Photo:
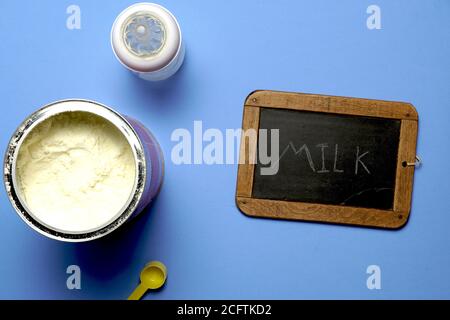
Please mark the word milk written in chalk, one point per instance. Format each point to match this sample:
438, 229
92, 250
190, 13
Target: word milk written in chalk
305, 150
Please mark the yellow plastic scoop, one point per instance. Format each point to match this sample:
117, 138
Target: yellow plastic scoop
153, 276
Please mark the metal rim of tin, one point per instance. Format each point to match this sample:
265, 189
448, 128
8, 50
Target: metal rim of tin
46, 112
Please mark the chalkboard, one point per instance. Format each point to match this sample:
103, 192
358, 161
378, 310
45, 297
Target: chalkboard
336, 159
332, 159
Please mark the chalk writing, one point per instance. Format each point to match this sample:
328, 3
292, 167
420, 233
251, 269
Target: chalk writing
304, 149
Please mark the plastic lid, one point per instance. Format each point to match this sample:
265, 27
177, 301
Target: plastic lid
145, 37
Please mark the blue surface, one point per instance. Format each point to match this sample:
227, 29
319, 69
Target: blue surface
233, 48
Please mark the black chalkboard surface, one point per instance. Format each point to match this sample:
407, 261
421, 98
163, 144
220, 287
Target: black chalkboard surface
331, 159
338, 159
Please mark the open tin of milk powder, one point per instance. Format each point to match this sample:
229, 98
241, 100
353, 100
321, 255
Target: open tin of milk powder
146, 38
76, 170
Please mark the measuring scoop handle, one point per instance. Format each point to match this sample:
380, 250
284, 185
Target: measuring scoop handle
138, 293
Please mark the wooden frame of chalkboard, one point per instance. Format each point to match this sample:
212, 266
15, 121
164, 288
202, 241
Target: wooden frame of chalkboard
393, 218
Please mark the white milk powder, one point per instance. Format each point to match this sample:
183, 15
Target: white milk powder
76, 172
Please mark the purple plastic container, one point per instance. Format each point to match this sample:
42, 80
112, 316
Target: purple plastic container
149, 163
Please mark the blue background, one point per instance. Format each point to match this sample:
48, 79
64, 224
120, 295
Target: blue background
194, 227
